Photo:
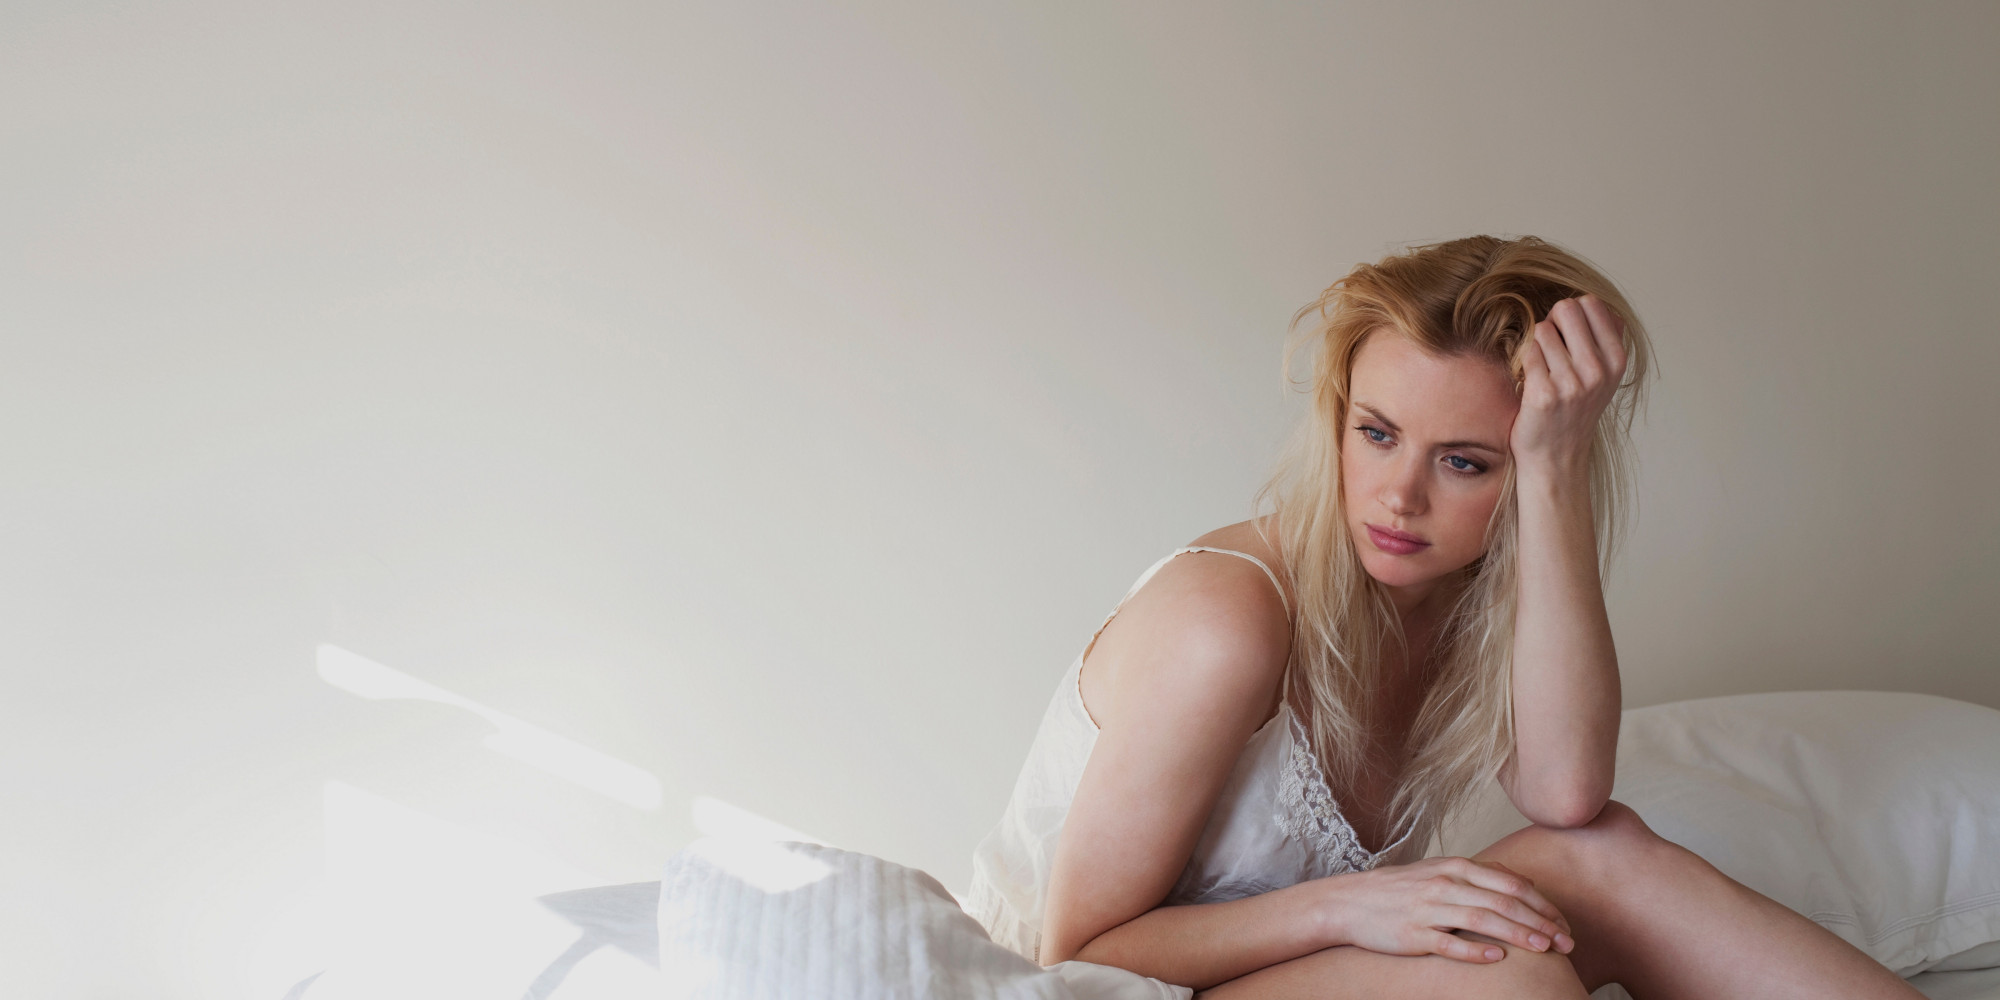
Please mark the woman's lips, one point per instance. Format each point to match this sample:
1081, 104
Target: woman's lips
1394, 544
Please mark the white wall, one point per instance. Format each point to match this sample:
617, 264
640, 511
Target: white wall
772, 399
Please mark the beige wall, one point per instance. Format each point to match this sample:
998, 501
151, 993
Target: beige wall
768, 402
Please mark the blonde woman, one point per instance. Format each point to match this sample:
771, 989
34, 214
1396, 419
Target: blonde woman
1234, 786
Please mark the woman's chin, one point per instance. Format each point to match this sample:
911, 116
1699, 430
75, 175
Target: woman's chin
1395, 571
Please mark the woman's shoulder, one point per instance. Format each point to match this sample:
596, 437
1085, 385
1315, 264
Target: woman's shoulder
1206, 625
1257, 538
1252, 593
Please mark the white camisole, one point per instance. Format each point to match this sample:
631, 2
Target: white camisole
1276, 823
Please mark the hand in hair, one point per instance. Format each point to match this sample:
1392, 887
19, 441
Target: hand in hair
1572, 367
1413, 909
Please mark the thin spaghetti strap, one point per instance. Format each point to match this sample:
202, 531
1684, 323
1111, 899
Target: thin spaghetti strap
1155, 568
1282, 599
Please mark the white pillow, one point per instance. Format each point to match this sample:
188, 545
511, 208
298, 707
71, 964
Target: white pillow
596, 943
1875, 814
745, 919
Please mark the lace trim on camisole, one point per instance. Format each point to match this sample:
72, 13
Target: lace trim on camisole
1308, 812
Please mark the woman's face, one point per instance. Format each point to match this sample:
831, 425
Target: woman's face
1423, 451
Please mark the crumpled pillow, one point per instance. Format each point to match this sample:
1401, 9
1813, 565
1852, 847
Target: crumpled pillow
746, 920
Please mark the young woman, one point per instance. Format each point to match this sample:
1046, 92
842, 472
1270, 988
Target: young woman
1235, 785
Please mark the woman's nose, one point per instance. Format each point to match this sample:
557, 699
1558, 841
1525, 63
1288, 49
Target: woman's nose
1403, 491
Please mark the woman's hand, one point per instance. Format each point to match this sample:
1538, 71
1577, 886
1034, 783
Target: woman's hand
1572, 366
1412, 910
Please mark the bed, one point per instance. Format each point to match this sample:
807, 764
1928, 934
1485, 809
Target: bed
623, 919
1875, 814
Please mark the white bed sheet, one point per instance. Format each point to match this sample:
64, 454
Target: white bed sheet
1975, 984
623, 920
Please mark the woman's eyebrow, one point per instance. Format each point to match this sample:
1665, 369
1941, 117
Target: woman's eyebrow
1391, 424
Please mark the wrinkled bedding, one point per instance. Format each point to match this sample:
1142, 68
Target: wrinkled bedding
618, 925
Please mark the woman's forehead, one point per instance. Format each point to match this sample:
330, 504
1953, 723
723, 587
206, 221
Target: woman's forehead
1419, 390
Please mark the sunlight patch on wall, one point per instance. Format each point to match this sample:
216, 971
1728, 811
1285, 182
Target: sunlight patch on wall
528, 743
716, 818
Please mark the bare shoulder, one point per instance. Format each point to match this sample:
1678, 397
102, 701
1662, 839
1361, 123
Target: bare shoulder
1257, 538
1207, 632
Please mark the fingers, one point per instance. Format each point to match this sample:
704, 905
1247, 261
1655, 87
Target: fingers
1518, 924
1493, 925
1574, 322
1609, 331
1511, 893
1593, 339
1535, 385
1453, 946
1507, 880
1562, 374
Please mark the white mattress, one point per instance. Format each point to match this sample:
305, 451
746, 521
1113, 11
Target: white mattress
621, 921
1977, 984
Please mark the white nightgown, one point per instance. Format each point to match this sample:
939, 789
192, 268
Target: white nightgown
1275, 824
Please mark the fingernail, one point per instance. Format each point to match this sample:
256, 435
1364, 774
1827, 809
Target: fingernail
1565, 942
1493, 954
1539, 942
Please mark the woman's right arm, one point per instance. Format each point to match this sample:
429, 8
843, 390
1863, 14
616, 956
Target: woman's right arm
1203, 944
1179, 680
1396, 910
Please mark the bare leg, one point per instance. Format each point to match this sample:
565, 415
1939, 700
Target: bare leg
1646, 913
1345, 972
1655, 917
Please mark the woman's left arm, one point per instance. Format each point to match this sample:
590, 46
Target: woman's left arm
1566, 692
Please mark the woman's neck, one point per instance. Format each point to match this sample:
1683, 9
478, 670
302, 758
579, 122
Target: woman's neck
1421, 613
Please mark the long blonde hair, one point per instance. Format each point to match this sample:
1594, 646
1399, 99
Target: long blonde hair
1477, 297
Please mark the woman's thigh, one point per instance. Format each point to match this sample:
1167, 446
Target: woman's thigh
1347, 972
1586, 872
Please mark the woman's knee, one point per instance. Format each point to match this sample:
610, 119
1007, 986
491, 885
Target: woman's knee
1615, 842
1618, 817
1618, 837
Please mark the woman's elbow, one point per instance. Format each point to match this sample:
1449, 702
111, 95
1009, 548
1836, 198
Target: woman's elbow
1054, 949
1571, 814
1061, 942
1566, 808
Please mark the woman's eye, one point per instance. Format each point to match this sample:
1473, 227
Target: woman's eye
1469, 468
